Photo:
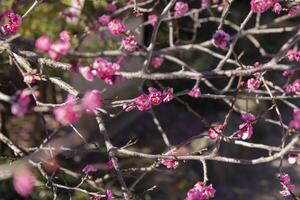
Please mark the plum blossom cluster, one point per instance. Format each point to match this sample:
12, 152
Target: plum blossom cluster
103, 69
56, 49
155, 97
293, 55
295, 122
246, 129
116, 27
221, 39
10, 22
170, 163
293, 87
261, 6
287, 186
70, 111
201, 192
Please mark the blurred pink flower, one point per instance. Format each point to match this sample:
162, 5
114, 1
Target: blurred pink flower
111, 7
20, 107
23, 181
288, 73
294, 10
103, 20
43, 43
277, 8
152, 19
109, 164
87, 73
89, 168
157, 61
295, 122
91, 101
67, 113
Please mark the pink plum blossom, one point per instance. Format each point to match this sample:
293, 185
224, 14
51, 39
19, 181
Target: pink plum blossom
89, 169
129, 43
246, 129
142, 102
261, 6
293, 55
103, 20
170, 163
288, 73
277, 8
180, 8
87, 73
253, 84
201, 192
155, 96
20, 106
205, 4
195, 92
215, 131
168, 94
43, 43
221, 38
153, 19
109, 164
157, 61
67, 113
295, 122
287, 186
91, 101
294, 10
293, 87
106, 70
116, 27
23, 181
